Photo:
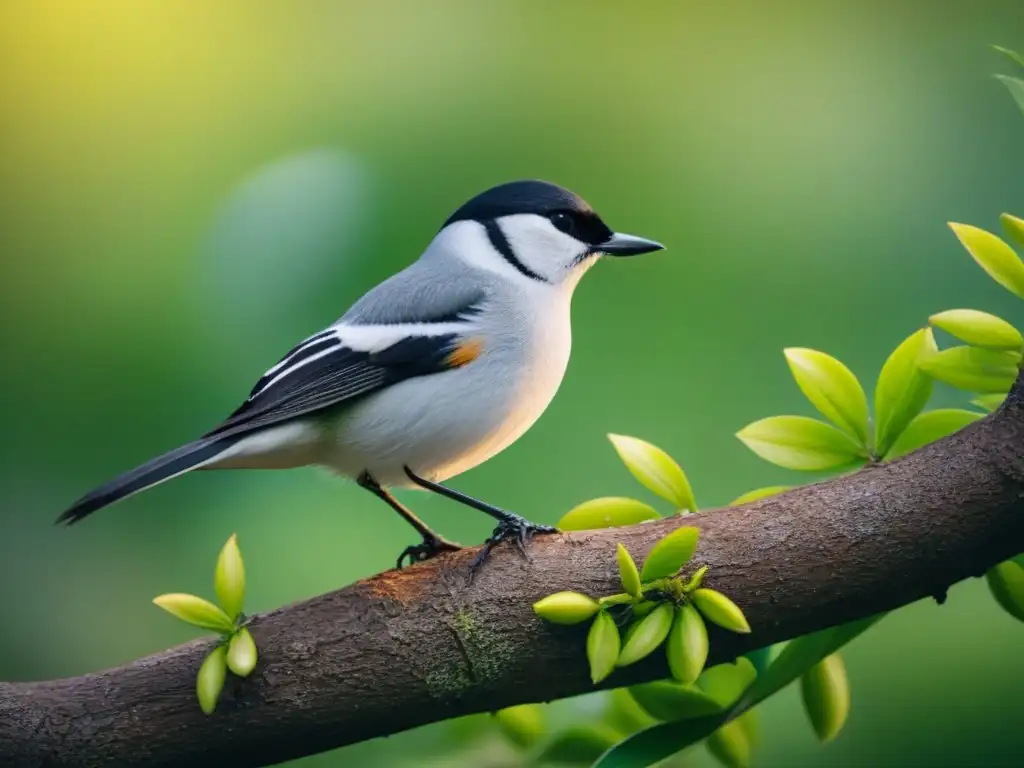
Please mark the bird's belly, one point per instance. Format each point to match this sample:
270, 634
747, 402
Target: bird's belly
443, 424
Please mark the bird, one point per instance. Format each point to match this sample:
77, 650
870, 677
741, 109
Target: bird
434, 371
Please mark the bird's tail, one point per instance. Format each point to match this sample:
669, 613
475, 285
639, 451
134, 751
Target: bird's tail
188, 457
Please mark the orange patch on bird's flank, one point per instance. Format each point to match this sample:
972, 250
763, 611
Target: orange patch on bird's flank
466, 352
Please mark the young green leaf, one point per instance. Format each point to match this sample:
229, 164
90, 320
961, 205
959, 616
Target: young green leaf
577, 745
719, 609
725, 683
668, 700
730, 746
229, 578
628, 573
646, 635
644, 607
992, 254
210, 680
758, 493
972, 368
826, 696
1010, 54
832, 389
195, 610
671, 553
1006, 582
799, 442
687, 645
524, 725
603, 645
1014, 228
903, 389
656, 470
242, 653
1016, 88
566, 608
931, 426
980, 329
988, 402
606, 512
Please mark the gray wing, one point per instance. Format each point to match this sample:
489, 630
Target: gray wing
323, 372
424, 292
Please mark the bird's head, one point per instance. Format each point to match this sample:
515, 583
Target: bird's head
534, 231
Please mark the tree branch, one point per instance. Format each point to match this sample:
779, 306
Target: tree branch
411, 647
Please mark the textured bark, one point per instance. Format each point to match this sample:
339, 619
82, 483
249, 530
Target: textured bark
411, 647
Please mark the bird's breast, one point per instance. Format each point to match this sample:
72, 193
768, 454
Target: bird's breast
444, 424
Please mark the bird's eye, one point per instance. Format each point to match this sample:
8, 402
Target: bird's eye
563, 222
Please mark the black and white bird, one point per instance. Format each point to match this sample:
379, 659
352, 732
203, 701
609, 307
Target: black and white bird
430, 373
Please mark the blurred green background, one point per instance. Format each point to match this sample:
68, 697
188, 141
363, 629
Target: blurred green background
187, 188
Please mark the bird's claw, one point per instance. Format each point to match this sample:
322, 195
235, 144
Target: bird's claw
513, 528
425, 550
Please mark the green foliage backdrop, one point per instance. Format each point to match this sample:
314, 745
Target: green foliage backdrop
185, 190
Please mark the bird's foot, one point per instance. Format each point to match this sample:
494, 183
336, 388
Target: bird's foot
431, 546
512, 528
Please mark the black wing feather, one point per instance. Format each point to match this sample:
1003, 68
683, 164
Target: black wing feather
338, 376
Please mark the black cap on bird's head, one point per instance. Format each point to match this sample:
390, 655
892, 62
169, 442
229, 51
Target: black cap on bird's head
567, 211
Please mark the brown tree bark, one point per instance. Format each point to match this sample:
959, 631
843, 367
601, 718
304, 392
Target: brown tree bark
411, 647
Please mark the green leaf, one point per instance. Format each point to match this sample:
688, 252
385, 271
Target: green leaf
826, 696
668, 700
603, 644
566, 608
628, 573
196, 611
979, 329
652, 745
1010, 54
992, 254
687, 645
659, 742
606, 512
799, 442
1006, 583
524, 725
1014, 228
229, 578
242, 653
578, 745
1016, 87
751, 726
725, 683
760, 658
730, 745
624, 713
646, 635
973, 369
758, 493
931, 426
656, 470
903, 389
719, 609
988, 402
832, 389
800, 655
671, 553
210, 680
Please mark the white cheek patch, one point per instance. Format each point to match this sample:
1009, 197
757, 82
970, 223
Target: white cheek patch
543, 248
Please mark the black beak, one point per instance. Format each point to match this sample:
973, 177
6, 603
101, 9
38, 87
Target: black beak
627, 245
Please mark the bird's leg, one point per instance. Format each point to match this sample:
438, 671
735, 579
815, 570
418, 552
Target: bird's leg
510, 526
432, 544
